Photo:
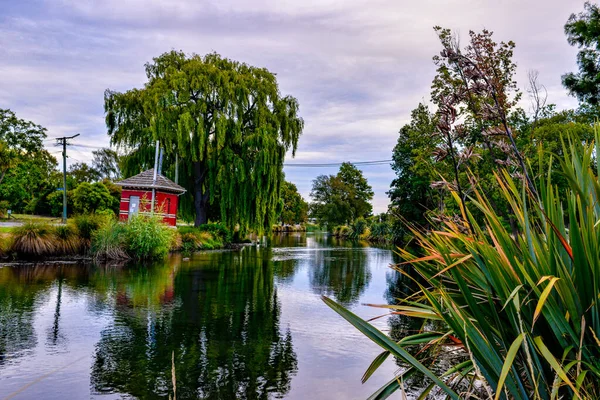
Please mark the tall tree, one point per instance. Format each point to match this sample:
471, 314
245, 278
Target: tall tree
294, 208
341, 198
107, 162
225, 121
79, 173
358, 191
583, 31
26, 169
413, 162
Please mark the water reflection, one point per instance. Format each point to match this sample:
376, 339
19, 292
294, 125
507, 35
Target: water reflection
214, 323
341, 274
220, 323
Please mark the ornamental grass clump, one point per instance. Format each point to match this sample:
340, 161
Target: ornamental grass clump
66, 240
110, 242
148, 237
33, 240
522, 305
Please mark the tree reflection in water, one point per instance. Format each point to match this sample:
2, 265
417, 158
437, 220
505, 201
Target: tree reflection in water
341, 273
220, 320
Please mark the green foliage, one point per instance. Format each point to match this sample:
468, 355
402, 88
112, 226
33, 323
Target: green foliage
204, 237
341, 198
312, 227
110, 242
218, 230
92, 197
26, 169
107, 163
411, 195
227, 124
87, 225
583, 31
147, 237
4, 206
522, 307
358, 228
294, 209
79, 173
189, 243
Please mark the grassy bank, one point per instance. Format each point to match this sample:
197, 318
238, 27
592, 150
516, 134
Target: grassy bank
103, 238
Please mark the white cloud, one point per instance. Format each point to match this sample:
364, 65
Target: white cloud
357, 67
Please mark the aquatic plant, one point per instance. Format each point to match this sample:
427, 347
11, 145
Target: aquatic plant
110, 242
147, 237
522, 305
33, 239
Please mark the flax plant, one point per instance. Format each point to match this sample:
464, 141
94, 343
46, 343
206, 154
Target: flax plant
521, 305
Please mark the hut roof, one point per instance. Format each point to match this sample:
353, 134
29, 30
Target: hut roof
145, 181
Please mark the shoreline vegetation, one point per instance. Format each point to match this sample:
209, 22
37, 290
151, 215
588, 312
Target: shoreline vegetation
103, 238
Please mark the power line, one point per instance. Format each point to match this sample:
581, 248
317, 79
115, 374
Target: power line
337, 164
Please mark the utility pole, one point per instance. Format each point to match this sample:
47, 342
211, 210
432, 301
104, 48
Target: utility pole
154, 177
63, 141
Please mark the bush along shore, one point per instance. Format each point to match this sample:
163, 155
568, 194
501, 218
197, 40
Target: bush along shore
371, 230
101, 237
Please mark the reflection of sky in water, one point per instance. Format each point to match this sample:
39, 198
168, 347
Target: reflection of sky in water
333, 355
57, 361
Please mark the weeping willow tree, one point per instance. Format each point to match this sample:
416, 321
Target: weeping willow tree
226, 125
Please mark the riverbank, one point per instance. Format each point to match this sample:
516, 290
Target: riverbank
98, 237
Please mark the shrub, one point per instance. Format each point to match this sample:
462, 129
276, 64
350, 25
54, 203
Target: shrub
522, 307
195, 239
148, 237
66, 240
312, 227
189, 243
110, 242
380, 232
218, 230
33, 239
87, 224
92, 197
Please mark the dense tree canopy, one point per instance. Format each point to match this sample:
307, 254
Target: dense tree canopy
107, 163
294, 209
27, 171
341, 198
224, 121
413, 159
583, 31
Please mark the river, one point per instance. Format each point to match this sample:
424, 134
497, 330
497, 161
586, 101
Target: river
246, 324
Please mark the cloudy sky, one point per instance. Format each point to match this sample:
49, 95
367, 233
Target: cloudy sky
357, 67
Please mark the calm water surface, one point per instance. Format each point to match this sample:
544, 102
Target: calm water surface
223, 325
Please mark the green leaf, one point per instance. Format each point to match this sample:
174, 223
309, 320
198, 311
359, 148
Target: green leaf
508, 363
388, 344
386, 390
544, 296
554, 364
374, 365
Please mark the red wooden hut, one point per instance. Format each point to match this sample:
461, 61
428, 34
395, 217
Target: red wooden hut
137, 196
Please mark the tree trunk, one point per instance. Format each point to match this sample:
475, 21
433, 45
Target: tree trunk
201, 195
